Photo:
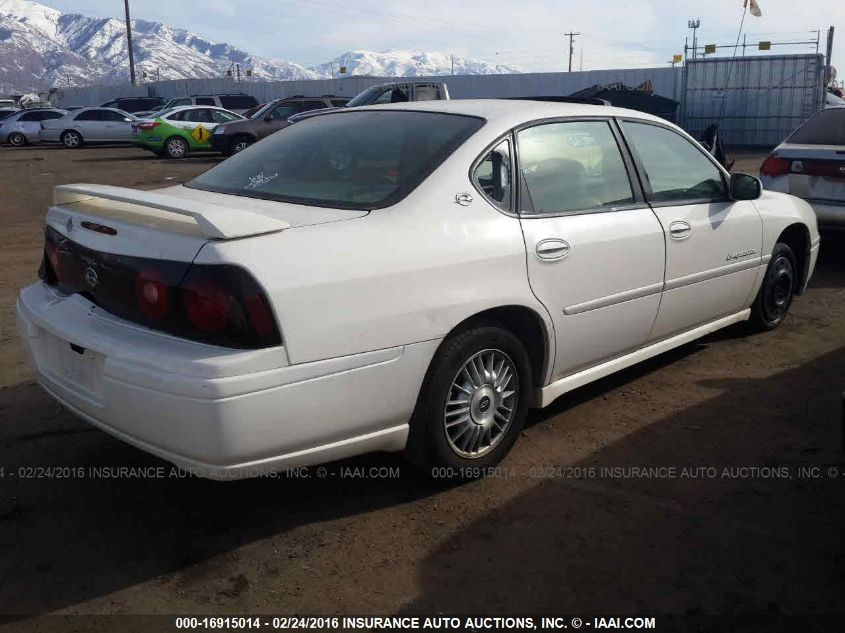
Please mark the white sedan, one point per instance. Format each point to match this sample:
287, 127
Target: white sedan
402, 277
810, 164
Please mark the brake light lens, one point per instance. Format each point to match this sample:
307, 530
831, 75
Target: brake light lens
219, 304
151, 293
207, 305
775, 166
151, 125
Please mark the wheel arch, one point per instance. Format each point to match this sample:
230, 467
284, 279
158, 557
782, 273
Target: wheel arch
529, 326
797, 237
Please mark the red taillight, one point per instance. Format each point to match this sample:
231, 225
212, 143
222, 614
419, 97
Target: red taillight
52, 251
151, 294
151, 125
259, 316
775, 166
207, 305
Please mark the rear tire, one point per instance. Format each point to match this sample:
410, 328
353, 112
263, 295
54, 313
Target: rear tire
472, 405
16, 139
72, 139
777, 290
176, 147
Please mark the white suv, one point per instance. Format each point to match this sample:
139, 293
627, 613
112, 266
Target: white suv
402, 277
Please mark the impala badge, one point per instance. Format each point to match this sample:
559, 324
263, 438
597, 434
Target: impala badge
733, 256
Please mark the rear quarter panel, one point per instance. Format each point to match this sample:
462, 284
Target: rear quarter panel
399, 275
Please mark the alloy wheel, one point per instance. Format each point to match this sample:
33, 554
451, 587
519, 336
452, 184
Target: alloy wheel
481, 403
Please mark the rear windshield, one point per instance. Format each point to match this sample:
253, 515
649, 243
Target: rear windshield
350, 160
825, 128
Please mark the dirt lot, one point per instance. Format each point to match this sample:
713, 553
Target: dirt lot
573, 540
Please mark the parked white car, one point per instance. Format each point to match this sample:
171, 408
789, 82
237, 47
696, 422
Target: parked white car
89, 125
379, 279
810, 164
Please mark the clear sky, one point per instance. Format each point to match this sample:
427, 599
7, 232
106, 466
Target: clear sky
527, 34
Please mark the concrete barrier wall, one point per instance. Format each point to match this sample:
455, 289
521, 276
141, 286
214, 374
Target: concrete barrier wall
665, 82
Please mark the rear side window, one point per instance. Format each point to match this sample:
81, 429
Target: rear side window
313, 105
32, 116
200, 115
218, 116
89, 115
205, 101
825, 128
238, 102
675, 169
285, 110
348, 160
572, 167
493, 176
180, 102
339, 103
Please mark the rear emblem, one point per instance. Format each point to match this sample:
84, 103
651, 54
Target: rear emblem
91, 277
463, 199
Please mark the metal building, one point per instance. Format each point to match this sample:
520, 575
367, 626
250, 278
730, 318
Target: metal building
757, 100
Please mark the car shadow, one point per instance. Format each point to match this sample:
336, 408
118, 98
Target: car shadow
585, 540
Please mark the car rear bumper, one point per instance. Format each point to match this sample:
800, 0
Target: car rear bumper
217, 412
49, 136
830, 215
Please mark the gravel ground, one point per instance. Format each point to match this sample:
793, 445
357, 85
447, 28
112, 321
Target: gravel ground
570, 527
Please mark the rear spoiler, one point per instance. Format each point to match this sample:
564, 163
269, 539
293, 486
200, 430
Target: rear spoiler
214, 220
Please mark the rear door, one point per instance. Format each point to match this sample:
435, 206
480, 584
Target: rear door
117, 126
29, 123
713, 244
595, 250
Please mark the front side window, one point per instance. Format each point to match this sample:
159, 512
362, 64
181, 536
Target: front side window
572, 166
313, 105
493, 176
349, 160
179, 102
205, 101
219, 116
286, 110
675, 169
47, 116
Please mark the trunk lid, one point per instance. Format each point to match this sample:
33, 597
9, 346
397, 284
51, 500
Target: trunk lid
817, 172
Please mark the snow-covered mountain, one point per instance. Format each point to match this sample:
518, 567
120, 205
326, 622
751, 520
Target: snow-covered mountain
41, 47
407, 63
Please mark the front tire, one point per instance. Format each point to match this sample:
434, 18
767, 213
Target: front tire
16, 139
473, 402
71, 139
777, 290
239, 144
176, 147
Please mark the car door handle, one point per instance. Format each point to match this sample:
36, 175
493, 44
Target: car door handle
552, 249
680, 230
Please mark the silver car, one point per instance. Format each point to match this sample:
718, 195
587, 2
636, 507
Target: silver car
810, 164
23, 127
89, 125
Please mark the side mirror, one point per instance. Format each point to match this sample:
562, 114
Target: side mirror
745, 187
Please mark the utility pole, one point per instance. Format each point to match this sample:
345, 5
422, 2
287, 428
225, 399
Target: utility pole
828, 67
571, 37
129, 41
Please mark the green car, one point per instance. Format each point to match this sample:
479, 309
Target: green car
175, 132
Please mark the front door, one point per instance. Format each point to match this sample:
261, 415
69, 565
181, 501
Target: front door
713, 244
595, 250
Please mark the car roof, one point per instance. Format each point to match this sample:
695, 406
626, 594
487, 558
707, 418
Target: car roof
198, 107
511, 112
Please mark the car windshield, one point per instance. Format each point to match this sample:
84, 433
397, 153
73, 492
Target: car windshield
366, 97
349, 160
825, 128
